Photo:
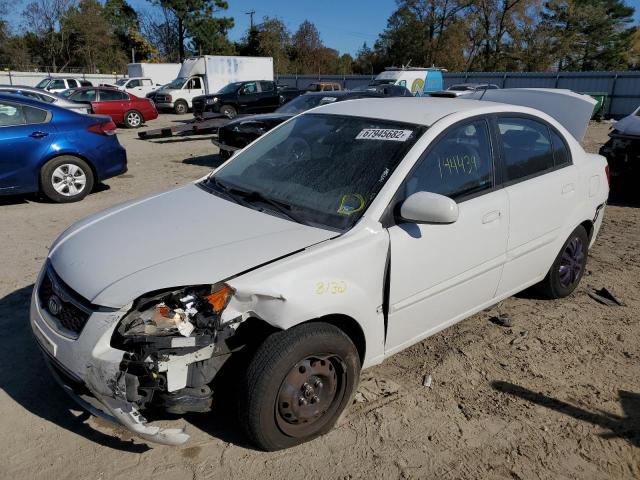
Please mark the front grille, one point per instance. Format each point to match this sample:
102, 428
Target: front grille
69, 309
160, 98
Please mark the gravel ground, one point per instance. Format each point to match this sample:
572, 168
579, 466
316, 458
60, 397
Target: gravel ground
554, 396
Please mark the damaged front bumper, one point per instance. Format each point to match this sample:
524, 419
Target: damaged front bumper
104, 380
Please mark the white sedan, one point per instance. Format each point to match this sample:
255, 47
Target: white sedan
343, 236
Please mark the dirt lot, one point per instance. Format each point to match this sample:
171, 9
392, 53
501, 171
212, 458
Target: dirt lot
555, 396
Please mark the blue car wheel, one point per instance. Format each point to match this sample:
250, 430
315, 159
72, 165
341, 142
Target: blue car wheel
66, 179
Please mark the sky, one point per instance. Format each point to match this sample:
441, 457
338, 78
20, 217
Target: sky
343, 24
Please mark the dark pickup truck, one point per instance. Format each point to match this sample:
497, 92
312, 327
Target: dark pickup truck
256, 96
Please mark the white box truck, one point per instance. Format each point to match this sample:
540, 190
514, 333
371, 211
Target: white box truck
208, 74
159, 73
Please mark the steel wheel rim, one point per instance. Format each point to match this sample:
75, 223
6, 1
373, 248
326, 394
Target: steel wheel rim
571, 263
228, 112
68, 179
309, 394
134, 119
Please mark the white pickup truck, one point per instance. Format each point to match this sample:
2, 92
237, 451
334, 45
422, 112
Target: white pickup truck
137, 86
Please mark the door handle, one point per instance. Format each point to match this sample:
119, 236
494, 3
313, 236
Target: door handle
568, 188
491, 216
38, 134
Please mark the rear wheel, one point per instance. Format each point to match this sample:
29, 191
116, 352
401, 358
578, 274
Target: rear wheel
569, 266
66, 179
133, 119
297, 385
229, 111
180, 107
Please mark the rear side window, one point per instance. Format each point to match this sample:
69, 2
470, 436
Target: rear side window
459, 164
34, 115
560, 151
57, 84
526, 147
146, 82
11, 115
72, 83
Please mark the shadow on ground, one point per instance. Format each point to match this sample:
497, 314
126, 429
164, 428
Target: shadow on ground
626, 427
213, 160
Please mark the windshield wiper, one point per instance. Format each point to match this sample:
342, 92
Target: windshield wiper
246, 197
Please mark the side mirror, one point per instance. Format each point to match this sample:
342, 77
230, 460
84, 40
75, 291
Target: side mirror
427, 207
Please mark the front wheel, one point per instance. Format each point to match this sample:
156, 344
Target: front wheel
66, 179
229, 111
180, 107
297, 385
569, 266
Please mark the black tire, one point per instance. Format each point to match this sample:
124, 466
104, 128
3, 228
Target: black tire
229, 110
62, 190
224, 154
569, 266
180, 107
133, 119
319, 355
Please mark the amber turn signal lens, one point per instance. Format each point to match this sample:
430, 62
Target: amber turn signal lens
219, 299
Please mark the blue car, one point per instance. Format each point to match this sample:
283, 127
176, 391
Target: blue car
60, 153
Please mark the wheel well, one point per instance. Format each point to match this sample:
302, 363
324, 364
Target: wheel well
588, 226
350, 327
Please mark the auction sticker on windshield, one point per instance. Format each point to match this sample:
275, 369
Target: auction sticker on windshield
384, 134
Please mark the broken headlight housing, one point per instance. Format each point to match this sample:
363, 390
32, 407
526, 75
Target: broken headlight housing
177, 312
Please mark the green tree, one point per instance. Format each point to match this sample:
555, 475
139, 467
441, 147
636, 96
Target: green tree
271, 38
195, 22
126, 26
590, 34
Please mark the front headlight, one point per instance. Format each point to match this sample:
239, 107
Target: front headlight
211, 101
177, 312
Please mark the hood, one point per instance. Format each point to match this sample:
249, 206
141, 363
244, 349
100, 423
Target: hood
181, 237
572, 110
629, 125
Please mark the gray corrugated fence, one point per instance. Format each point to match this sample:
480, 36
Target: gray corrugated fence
622, 88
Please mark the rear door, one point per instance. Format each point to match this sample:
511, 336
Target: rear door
540, 181
249, 98
25, 136
269, 98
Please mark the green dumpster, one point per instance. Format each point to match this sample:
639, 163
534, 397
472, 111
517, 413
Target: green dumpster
601, 103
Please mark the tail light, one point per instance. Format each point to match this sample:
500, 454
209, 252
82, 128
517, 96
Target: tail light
104, 128
608, 174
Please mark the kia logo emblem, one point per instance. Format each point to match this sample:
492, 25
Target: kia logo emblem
54, 305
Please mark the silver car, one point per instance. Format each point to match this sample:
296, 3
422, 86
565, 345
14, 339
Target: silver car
46, 97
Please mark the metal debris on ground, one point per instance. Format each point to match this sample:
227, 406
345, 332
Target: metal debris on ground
605, 297
427, 381
502, 319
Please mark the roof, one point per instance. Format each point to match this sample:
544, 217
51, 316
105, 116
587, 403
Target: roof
421, 111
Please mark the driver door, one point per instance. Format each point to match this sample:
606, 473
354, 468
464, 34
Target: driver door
249, 98
441, 273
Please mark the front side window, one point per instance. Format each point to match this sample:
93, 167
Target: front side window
194, 84
249, 88
459, 164
323, 169
526, 147
267, 86
84, 96
72, 83
133, 84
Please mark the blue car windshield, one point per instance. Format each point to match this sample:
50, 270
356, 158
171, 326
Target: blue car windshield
323, 170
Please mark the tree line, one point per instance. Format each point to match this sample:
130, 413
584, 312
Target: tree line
459, 35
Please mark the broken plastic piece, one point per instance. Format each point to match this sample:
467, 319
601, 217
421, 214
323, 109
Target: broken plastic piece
427, 381
605, 297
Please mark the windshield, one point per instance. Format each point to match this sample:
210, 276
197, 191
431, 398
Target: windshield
43, 83
385, 81
305, 102
323, 169
67, 93
122, 81
461, 88
230, 88
175, 84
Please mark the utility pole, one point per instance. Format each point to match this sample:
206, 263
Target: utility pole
251, 14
